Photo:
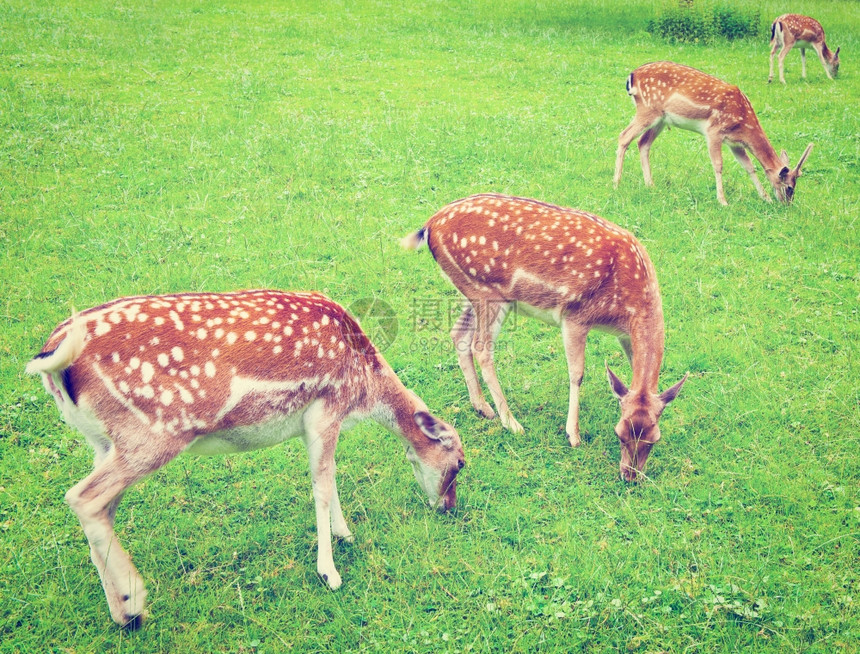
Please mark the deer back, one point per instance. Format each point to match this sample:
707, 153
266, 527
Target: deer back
191, 364
688, 94
502, 248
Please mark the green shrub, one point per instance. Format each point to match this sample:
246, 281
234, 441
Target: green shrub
690, 22
682, 25
734, 23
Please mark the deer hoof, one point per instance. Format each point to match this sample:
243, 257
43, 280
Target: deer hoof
510, 423
134, 622
485, 410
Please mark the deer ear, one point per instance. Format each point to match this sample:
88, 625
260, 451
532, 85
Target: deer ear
784, 173
432, 428
783, 157
616, 384
803, 157
671, 393
837, 51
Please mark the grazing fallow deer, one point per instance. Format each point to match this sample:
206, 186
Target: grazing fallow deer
568, 268
145, 378
668, 94
791, 30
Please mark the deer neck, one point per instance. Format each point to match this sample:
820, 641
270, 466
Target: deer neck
392, 405
647, 339
762, 150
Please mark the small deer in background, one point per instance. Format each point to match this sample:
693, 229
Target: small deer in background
568, 268
145, 378
791, 30
668, 94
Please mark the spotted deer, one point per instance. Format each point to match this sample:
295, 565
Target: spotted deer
791, 30
568, 268
668, 94
146, 378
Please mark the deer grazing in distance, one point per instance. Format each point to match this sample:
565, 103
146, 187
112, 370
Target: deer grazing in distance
668, 94
791, 30
568, 268
146, 378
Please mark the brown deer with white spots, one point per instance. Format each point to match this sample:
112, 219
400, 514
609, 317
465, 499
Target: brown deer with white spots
790, 30
146, 378
568, 268
668, 94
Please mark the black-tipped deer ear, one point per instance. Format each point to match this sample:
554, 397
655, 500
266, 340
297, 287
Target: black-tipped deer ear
803, 158
432, 428
616, 384
671, 393
837, 51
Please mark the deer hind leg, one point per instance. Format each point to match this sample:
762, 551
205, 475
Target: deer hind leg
645, 148
462, 333
320, 438
781, 60
744, 160
94, 500
574, 336
803, 63
490, 316
644, 119
774, 44
715, 145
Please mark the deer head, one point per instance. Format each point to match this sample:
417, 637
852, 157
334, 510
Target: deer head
637, 430
784, 180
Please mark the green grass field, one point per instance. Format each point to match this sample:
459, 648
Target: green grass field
152, 147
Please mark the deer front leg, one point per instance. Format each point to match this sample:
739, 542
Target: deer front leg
747, 165
803, 63
820, 50
339, 527
490, 316
626, 345
320, 438
715, 145
574, 336
462, 333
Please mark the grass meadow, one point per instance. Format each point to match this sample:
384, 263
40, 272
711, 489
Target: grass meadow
153, 147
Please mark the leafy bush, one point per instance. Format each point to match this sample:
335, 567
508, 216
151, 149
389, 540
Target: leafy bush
734, 23
682, 25
689, 22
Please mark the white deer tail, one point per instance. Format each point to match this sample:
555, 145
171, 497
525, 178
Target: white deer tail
415, 240
66, 352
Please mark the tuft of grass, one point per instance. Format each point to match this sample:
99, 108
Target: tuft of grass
186, 146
